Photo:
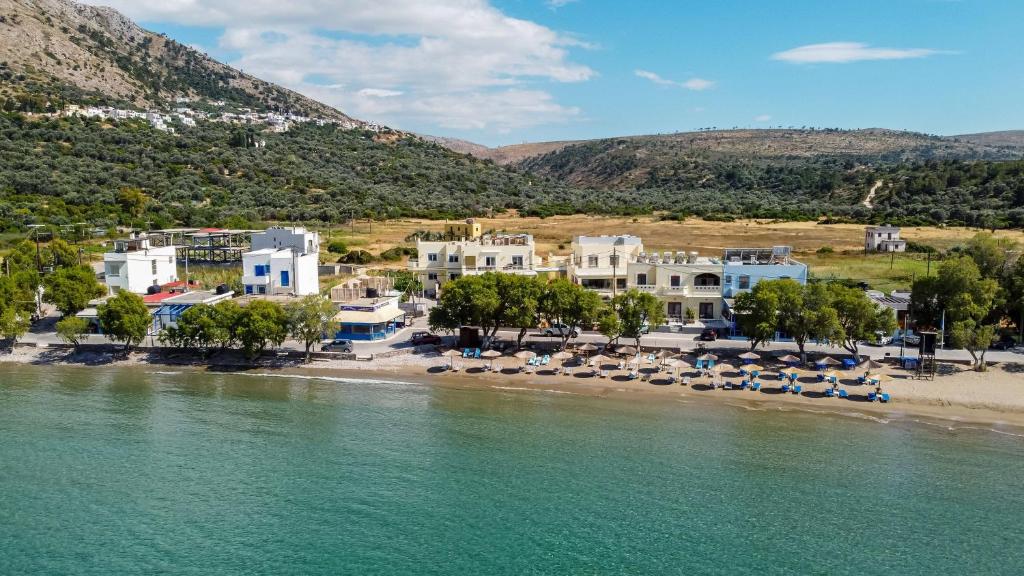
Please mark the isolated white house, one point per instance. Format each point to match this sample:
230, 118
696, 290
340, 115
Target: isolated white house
135, 265
282, 261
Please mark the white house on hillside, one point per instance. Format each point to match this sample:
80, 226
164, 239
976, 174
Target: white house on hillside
135, 265
883, 239
282, 261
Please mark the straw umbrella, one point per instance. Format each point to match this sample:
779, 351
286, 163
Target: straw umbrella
827, 361
525, 354
869, 365
749, 357
706, 357
452, 354
597, 359
789, 359
588, 347
625, 350
489, 354
563, 356
663, 354
751, 368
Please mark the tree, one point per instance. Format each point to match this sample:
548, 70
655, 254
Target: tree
757, 313
260, 323
62, 254
73, 330
638, 312
974, 338
125, 318
859, 317
71, 288
226, 314
609, 326
519, 302
132, 201
309, 318
563, 302
805, 313
967, 299
14, 323
468, 301
989, 253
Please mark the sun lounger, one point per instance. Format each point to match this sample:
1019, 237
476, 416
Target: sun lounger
844, 394
466, 353
545, 360
455, 367
686, 381
755, 386
884, 397
671, 379
744, 384
604, 373
797, 389
633, 376
782, 376
476, 354
699, 365
830, 392
861, 380
496, 368
568, 371
821, 377
711, 364
872, 396
651, 358
785, 388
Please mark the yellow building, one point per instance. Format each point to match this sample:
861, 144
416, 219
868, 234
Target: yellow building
468, 230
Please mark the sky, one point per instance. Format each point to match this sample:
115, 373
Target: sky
509, 71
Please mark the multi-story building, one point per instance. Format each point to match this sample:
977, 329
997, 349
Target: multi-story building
136, 266
282, 261
689, 285
883, 239
468, 230
599, 262
744, 268
440, 262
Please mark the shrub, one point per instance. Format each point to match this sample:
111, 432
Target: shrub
825, 250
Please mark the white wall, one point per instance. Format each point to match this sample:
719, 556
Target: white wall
133, 271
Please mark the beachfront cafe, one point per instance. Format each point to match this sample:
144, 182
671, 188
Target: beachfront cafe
369, 318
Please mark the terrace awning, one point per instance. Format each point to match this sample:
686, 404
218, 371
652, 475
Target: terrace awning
366, 317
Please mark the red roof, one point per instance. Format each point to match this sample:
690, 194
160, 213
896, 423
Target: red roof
211, 229
158, 297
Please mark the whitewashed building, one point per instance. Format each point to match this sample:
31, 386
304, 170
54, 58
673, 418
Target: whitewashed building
136, 266
599, 262
440, 262
883, 239
282, 261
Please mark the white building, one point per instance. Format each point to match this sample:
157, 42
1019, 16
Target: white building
689, 285
282, 261
135, 266
883, 239
599, 262
439, 262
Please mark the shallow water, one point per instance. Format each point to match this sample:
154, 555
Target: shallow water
133, 471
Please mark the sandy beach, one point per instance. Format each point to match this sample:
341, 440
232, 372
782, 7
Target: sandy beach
956, 395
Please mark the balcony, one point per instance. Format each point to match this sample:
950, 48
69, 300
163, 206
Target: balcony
717, 289
646, 287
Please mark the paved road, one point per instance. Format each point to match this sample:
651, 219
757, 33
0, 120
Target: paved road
43, 332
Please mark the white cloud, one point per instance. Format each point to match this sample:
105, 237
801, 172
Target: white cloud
691, 84
842, 52
444, 62
762, 118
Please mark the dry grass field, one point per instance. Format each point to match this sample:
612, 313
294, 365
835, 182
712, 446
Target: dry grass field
553, 236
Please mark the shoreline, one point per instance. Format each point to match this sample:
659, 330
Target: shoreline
962, 398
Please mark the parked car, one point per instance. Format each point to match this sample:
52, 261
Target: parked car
912, 340
882, 339
337, 345
708, 335
561, 330
424, 338
1004, 343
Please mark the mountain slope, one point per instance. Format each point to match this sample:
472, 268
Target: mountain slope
1005, 138
82, 52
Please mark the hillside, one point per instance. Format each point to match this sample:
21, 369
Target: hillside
1005, 138
60, 51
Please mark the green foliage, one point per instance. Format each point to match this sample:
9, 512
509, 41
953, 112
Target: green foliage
357, 257
757, 313
70, 289
973, 337
309, 319
468, 301
519, 302
397, 253
859, 316
199, 326
825, 250
919, 248
125, 318
260, 323
564, 302
73, 330
14, 323
638, 312
337, 247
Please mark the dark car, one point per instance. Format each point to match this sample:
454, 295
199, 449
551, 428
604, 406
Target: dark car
708, 334
1004, 343
337, 346
424, 338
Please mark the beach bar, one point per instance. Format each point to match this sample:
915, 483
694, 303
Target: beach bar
369, 318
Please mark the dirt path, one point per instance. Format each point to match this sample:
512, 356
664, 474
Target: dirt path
871, 194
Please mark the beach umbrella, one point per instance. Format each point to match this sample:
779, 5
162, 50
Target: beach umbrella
789, 359
676, 363
753, 368
598, 359
723, 367
628, 350
706, 357
750, 356
490, 354
562, 355
827, 361
869, 365
663, 354
588, 347
525, 354
452, 355
879, 378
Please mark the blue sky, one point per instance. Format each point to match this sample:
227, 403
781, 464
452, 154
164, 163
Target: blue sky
509, 71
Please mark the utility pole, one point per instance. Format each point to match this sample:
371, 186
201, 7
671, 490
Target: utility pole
615, 270
929, 273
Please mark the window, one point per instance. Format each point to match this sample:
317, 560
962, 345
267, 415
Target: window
706, 310
261, 289
675, 310
620, 283
432, 276
744, 282
489, 261
674, 281
592, 261
517, 261
728, 279
284, 278
260, 270
154, 266
248, 288
641, 279
432, 257
453, 258
706, 280
453, 276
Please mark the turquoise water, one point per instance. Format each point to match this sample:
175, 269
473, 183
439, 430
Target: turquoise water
124, 471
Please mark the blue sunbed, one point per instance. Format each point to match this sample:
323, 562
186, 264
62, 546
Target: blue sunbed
782, 376
728, 386
785, 387
844, 394
830, 392
797, 389
755, 386
744, 384
476, 354
711, 364
872, 396
699, 365
545, 360
884, 397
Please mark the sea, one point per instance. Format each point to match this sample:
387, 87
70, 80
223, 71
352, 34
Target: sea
137, 470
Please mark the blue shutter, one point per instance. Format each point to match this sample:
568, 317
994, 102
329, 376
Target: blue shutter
284, 278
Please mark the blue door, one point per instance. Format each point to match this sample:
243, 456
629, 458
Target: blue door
284, 278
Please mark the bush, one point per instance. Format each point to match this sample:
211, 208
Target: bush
356, 257
337, 247
919, 248
395, 254
825, 250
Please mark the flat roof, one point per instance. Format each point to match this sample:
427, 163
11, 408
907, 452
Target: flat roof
365, 317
